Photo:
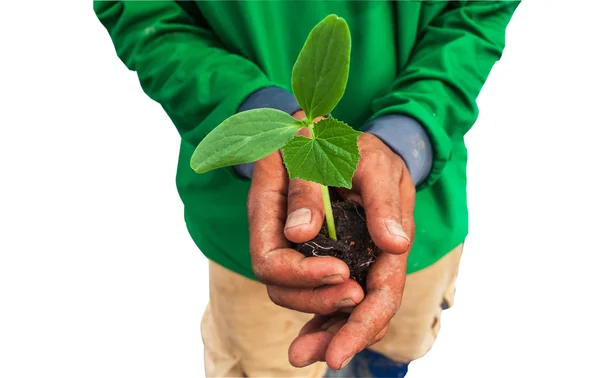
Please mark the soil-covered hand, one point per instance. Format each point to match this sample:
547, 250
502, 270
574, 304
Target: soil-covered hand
383, 186
281, 211
317, 285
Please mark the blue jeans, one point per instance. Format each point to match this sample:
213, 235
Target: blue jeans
367, 364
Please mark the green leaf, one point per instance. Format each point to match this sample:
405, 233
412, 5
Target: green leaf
244, 138
330, 158
321, 71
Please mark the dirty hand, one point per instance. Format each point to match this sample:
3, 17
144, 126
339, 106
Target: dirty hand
317, 285
281, 210
383, 186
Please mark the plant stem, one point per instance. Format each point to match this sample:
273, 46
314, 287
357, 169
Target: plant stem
326, 199
328, 212
311, 129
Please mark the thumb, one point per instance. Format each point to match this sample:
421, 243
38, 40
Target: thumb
387, 208
305, 211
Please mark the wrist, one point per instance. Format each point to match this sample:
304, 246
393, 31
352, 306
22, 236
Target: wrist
273, 98
408, 139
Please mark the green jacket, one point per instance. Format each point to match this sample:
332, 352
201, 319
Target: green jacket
201, 60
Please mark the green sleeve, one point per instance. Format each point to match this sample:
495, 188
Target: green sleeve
179, 62
449, 65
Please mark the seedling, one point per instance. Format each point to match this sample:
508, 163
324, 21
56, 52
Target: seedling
330, 155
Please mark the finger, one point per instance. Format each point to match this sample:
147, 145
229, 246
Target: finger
322, 300
305, 211
385, 285
377, 180
267, 204
319, 332
305, 207
320, 322
289, 268
312, 347
314, 324
272, 262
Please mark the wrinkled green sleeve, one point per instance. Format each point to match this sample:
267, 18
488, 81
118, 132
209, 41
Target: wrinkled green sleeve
179, 62
449, 65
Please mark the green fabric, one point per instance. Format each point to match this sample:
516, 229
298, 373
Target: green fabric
200, 60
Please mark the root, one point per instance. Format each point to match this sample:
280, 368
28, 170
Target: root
358, 212
314, 247
371, 261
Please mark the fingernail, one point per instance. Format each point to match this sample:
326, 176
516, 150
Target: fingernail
298, 217
346, 362
395, 228
310, 362
332, 280
345, 303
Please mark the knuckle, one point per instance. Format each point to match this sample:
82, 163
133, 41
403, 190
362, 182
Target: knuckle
378, 155
320, 306
259, 273
272, 267
260, 269
298, 190
369, 159
274, 294
390, 202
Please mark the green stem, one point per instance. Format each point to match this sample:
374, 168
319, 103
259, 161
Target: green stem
311, 128
326, 199
328, 212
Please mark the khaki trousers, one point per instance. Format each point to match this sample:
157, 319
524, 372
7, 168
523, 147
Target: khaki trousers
246, 335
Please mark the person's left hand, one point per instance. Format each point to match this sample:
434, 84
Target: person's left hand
383, 186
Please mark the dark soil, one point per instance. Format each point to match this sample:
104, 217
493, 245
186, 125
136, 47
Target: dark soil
353, 245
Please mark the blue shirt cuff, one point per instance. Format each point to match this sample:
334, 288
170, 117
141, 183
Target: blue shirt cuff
407, 138
270, 97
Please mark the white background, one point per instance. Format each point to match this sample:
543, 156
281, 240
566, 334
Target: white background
99, 278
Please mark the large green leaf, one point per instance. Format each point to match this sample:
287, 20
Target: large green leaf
244, 138
321, 71
330, 158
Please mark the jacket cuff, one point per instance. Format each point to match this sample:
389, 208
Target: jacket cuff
407, 138
270, 97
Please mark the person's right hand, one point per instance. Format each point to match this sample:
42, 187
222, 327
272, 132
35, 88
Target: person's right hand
317, 285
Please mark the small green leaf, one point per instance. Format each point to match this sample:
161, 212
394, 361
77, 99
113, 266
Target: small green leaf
244, 138
321, 71
330, 158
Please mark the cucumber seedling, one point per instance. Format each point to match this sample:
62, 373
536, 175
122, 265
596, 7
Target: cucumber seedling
329, 155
